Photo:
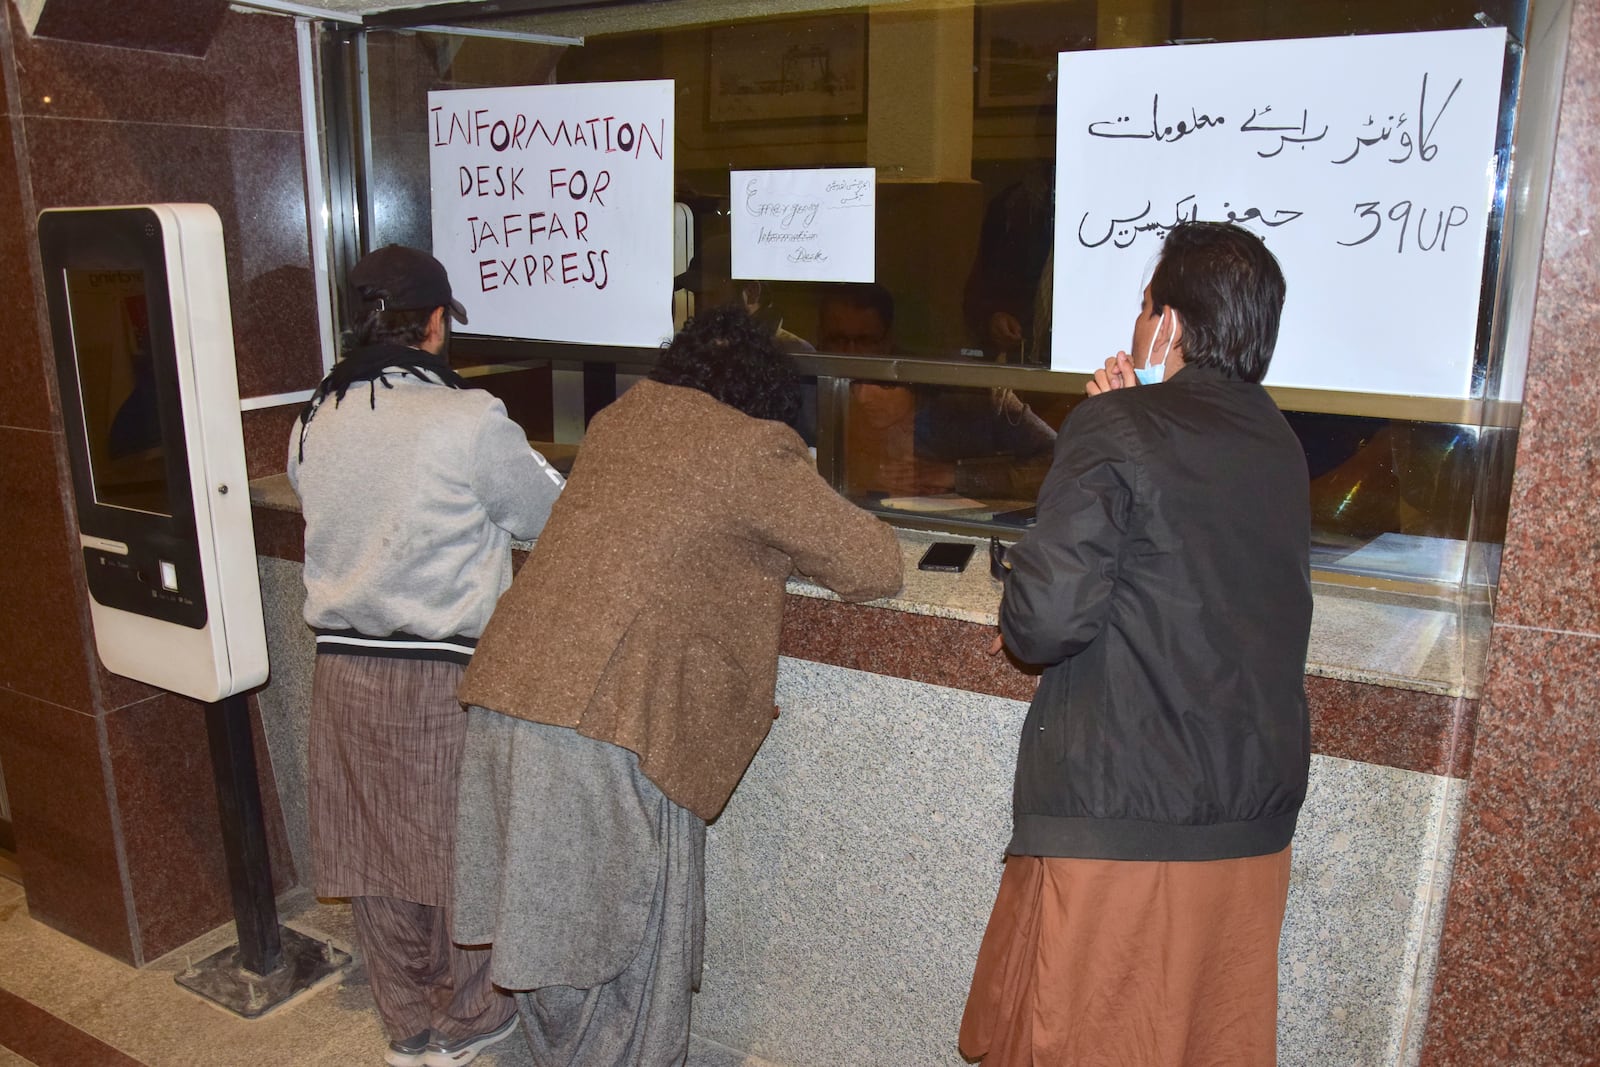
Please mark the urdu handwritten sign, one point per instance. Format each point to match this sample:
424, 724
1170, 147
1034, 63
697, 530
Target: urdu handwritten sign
1367, 164
804, 225
552, 209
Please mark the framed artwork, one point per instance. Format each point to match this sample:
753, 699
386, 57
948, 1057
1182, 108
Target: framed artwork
789, 70
1016, 47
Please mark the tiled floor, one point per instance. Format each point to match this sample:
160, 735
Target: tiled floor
145, 1015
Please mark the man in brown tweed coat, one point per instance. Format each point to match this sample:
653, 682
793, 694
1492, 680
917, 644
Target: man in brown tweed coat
629, 677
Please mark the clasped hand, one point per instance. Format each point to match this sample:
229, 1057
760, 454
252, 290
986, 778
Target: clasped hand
1116, 374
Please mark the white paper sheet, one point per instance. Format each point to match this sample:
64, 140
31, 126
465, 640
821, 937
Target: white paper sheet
552, 209
1366, 163
804, 225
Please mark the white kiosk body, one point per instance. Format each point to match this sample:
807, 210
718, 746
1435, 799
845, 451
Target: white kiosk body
138, 301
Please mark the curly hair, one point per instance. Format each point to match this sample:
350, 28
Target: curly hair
727, 353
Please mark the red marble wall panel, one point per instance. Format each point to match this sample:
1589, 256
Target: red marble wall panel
43, 641
1349, 720
266, 439
1519, 971
183, 27
256, 181
122, 126
1552, 548
923, 648
247, 78
279, 534
118, 691
44, 637
1519, 964
25, 401
161, 764
62, 816
1395, 727
7, 77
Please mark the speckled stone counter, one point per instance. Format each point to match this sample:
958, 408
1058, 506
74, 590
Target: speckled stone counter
849, 880
1370, 638
1356, 636
1390, 679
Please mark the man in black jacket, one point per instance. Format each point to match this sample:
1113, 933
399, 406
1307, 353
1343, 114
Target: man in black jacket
1163, 762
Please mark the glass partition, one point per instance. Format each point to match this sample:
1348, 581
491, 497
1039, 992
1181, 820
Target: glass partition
933, 401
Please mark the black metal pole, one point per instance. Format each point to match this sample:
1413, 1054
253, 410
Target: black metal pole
244, 834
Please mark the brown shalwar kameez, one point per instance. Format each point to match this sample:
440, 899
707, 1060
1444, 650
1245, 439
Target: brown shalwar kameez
386, 741
1095, 963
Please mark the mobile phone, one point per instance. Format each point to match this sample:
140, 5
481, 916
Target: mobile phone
946, 556
1021, 517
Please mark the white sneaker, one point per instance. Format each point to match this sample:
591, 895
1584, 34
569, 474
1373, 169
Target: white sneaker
408, 1053
466, 1049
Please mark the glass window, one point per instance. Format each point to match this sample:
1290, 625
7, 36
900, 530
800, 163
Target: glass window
932, 397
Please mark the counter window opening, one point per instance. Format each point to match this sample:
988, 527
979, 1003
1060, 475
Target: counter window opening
930, 398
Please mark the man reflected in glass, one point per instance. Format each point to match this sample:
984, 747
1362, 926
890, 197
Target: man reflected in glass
918, 441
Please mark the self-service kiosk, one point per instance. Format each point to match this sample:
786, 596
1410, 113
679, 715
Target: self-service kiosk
138, 300
143, 335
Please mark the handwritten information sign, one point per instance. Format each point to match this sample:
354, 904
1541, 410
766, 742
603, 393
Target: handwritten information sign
804, 225
1366, 163
552, 209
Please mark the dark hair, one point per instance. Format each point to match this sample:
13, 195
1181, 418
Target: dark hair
1228, 289
375, 325
868, 296
725, 352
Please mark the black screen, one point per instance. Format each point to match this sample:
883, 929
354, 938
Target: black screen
110, 316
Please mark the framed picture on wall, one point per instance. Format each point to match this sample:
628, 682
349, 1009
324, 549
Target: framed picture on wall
788, 70
1015, 48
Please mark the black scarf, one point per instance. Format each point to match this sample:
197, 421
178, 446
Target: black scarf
371, 365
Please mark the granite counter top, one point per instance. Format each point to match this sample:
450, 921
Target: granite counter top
275, 492
1389, 640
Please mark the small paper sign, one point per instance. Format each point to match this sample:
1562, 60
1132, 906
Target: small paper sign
804, 225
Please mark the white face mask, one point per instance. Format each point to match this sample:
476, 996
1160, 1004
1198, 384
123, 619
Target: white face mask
1153, 373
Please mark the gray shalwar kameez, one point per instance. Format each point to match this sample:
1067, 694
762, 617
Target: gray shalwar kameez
589, 883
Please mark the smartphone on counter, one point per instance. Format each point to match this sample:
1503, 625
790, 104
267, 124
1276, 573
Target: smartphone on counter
946, 556
1021, 517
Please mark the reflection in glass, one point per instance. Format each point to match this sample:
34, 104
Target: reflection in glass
966, 453
1381, 489
954, 108
110, 319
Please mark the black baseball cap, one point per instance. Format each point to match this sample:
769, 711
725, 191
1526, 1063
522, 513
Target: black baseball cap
405, 279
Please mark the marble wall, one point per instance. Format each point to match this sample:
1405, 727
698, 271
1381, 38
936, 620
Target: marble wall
850, 878
109, 781
1519, 977
50, 737
101, 772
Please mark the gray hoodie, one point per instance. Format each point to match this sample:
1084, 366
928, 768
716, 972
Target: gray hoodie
412, 496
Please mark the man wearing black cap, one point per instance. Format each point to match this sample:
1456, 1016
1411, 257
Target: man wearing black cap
413, 486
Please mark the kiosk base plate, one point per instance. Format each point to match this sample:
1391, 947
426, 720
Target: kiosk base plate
221, 978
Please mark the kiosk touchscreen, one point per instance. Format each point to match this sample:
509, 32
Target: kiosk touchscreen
138, 302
